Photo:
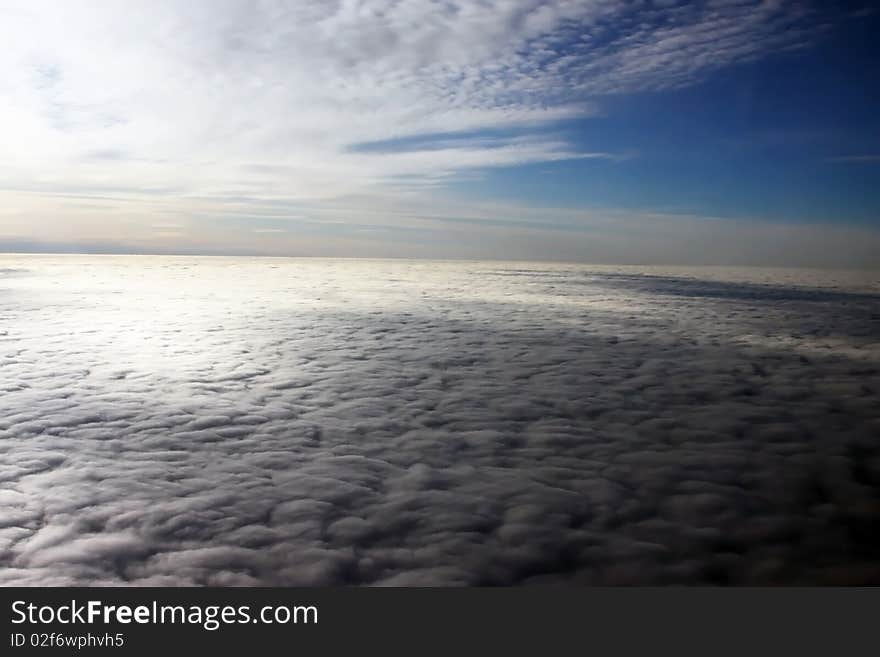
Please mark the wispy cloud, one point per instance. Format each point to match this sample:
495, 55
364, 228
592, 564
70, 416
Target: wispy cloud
279, 98
228, 117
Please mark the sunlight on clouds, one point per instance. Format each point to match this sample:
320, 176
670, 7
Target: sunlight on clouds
218, 421
159, 94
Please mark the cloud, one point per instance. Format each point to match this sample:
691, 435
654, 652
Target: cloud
228, 421
273, 99
336, 128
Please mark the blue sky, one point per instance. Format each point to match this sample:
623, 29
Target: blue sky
716, 132
792, 137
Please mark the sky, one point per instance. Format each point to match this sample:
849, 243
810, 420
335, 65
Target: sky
720, 132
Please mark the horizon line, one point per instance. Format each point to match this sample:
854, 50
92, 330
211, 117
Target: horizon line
427, 259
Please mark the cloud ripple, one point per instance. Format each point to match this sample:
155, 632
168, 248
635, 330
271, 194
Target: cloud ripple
193, 421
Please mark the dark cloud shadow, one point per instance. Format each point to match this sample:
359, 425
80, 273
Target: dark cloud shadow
736, 291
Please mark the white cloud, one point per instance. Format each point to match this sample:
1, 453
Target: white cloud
208, 125
185, 421
269, 99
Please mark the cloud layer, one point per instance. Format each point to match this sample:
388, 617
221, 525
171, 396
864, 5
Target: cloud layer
231, 421
282, 101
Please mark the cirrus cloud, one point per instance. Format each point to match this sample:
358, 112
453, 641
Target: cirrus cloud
274, 98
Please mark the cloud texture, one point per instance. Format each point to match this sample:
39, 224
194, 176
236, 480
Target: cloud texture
281, 422
270, 97
120, 117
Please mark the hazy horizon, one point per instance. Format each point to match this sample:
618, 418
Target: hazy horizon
869, 270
